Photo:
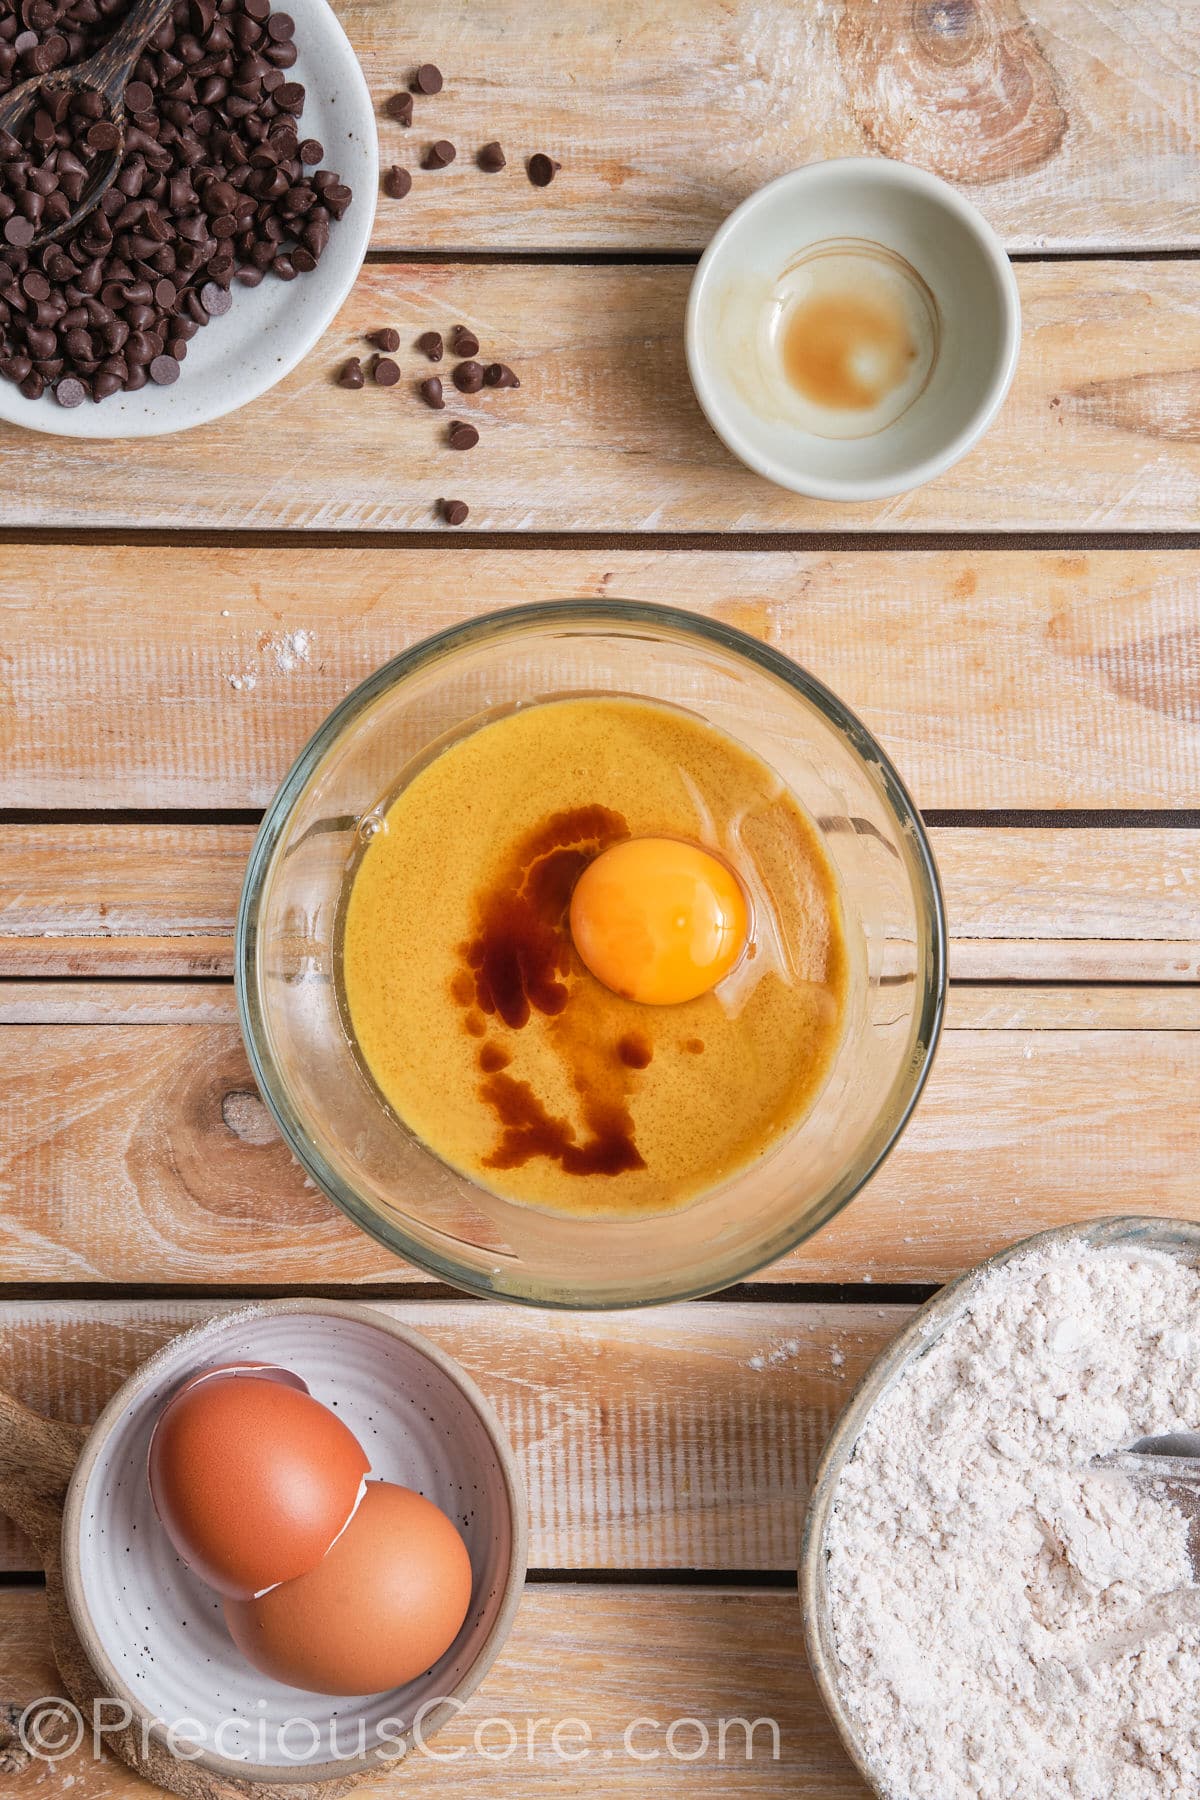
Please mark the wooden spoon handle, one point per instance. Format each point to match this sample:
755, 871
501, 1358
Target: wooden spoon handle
39, 1452
108, 71
37, 1457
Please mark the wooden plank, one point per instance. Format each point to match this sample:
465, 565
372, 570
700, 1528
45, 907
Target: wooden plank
116, 1001
1045, 904
141, 1153
609, 1656
1071, 122
1100, 432
1012, 1006
685, 1437
132, 899
987, 1006
995, 679
1072, 905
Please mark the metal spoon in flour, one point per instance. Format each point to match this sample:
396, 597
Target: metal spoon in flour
1175, 1457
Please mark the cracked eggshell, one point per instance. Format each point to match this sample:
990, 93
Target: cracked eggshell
252, 1478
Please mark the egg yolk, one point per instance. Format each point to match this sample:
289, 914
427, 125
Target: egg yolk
658, 920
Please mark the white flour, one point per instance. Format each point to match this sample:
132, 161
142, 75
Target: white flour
1000, 1618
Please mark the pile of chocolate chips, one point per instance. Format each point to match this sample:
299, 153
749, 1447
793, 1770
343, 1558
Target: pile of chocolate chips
216, 184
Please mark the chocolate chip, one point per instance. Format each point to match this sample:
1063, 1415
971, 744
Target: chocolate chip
164, 370
139, 98
385, 371
215, 299
499, 375
311, 152
462, 436
396, 182
103, 136
400, 108
468, 377
439, 155
430, 342
352, 374
428, 79
386, 338
542, 169
455, 512
491, 158
19, 232
464, 342
70, 391
430, 391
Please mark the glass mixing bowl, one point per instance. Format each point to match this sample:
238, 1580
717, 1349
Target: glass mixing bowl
365, 1158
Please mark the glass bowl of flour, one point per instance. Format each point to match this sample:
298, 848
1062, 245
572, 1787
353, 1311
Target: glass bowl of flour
988, 1615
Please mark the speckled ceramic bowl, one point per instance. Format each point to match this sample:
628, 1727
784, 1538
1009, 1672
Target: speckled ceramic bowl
154, 1632
1177, 1237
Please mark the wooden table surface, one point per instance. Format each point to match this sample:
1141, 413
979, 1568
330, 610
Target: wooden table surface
1023, 635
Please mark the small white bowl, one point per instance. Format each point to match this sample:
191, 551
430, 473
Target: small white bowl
154, 1633
949, 262
272, 327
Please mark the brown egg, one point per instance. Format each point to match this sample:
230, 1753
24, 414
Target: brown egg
252, 1478
386, 1602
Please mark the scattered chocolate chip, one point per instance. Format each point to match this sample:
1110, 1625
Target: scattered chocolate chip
386, 338
491, 158
499, 375
455, 512
468, 377
430, 391
400, 108
439, 155
428, 79
430, 342
311, 152
542, 169
19, 232
139, 97
396, 182
70, 392
464, 342
385, 372
164, 370
352, 374
462, 436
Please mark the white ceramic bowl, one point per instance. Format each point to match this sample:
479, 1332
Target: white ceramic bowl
740, 299
270, 328
1174, 1237
154, 1632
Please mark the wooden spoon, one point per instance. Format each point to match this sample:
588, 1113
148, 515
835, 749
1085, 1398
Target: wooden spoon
107, 74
